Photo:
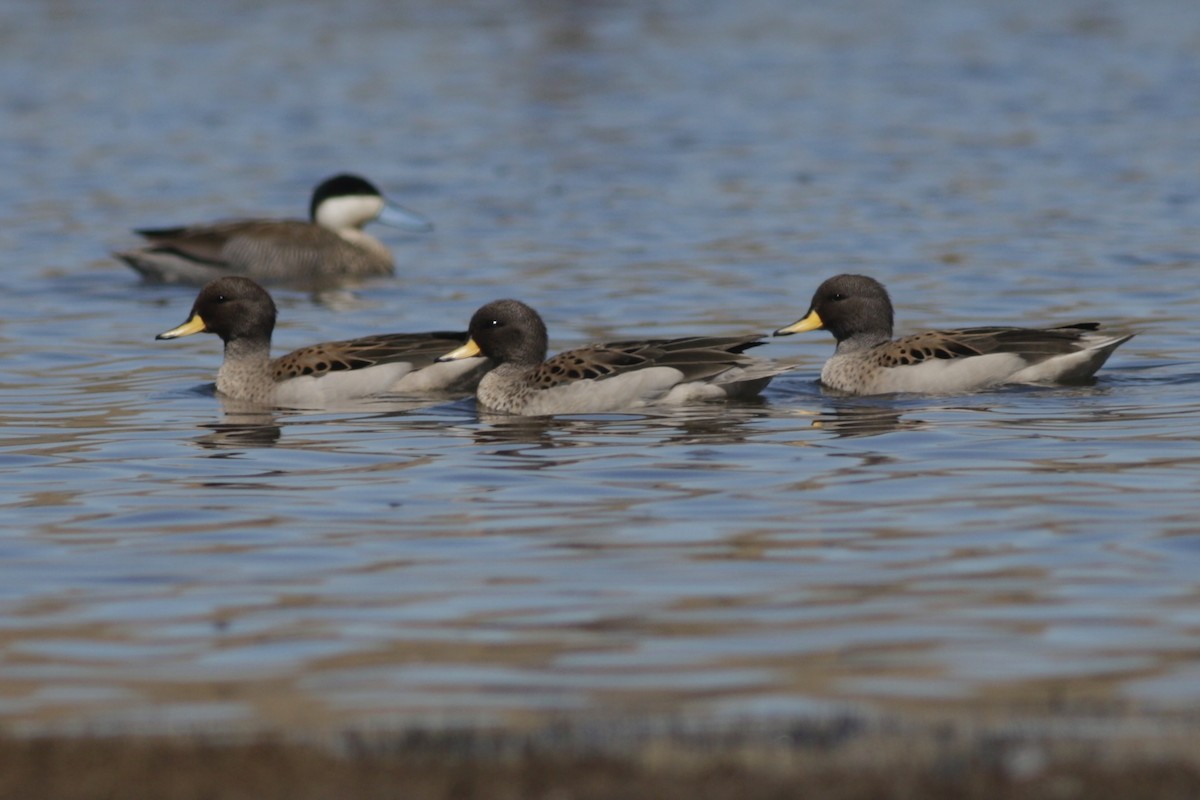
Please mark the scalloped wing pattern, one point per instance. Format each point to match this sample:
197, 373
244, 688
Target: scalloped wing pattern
418, 349
1032, 343
696, 357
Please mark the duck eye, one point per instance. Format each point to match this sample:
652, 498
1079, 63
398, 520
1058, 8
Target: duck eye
222, 299
495, 323
838, 297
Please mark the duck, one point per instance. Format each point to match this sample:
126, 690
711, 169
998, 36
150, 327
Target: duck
603, 377
243, 314
330, 246
857, 310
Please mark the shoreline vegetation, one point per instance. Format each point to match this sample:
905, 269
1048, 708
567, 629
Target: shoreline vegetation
842, 758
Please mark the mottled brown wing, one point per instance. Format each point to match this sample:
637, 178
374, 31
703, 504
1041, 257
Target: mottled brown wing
1035, 343
727, 344
696, 357
419, 349
295, 249
259, 248
205, 243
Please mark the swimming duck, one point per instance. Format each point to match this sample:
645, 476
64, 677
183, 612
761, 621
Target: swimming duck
242, 313
331, 245
603, 377
856, 309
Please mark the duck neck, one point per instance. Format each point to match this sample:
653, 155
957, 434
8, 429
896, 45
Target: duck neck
506, 388
863, 341
511, 370
246, 362
360, 238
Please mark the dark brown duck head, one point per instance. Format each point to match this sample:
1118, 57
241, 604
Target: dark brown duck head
507, 332
233, 308
849, 307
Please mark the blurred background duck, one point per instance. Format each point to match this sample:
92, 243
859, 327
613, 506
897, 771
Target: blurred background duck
330, 246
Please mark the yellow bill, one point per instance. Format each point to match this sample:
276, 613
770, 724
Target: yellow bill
194, 325
811, 322
468, 350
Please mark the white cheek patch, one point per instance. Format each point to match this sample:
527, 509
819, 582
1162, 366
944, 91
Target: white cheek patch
354, 211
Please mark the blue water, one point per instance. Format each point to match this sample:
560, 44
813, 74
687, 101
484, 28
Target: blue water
627, 168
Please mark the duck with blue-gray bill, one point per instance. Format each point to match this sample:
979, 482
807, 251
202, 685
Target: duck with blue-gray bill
856, 309
603, 377
329, 246
322, 375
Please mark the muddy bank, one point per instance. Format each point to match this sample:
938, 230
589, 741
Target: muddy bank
841, 759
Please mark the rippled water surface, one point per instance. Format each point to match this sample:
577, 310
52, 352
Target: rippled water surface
627, 168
